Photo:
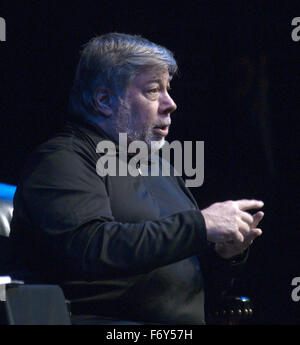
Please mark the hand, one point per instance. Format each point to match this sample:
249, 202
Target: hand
230, 248
227, 222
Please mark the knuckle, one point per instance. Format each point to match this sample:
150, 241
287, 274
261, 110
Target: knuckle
232, 206
235, 206
236, 222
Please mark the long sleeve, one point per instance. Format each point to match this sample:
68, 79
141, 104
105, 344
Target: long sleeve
70, 221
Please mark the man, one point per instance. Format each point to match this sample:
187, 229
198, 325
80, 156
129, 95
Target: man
122, 247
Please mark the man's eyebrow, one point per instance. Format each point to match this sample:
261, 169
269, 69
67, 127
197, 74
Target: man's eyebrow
159, 81
154, 80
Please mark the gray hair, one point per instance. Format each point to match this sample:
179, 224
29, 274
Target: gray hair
112, 61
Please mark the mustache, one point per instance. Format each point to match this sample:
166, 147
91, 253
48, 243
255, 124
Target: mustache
162, 124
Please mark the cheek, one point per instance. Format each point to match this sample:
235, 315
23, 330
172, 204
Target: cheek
145, 112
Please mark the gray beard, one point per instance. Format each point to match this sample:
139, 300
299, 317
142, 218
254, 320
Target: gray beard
124, 123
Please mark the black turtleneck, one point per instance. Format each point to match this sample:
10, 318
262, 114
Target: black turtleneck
124, 247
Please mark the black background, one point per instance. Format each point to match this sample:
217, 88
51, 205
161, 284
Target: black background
238, 90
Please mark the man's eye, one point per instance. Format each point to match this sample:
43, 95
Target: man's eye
153, 90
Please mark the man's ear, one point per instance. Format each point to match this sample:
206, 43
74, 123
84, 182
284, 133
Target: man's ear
103, 102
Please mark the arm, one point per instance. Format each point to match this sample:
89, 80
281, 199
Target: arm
72, 220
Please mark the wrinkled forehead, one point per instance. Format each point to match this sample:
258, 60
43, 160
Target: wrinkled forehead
153, 74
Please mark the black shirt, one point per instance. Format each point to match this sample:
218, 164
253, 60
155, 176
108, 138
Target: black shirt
120, 246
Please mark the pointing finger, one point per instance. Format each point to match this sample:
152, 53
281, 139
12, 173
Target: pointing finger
245, 204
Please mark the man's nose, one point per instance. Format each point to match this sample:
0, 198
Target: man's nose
167, 105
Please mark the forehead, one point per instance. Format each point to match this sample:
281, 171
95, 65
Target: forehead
157, 75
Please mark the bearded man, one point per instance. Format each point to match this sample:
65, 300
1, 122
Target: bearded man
127, 248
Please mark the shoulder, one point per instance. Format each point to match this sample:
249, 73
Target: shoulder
64, 157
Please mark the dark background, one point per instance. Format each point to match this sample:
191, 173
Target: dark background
238, 90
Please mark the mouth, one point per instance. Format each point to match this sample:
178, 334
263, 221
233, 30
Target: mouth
162, 130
